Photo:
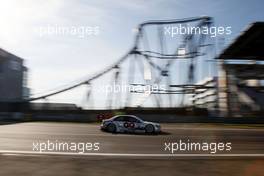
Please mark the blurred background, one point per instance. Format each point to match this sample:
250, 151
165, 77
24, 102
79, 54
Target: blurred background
100, 57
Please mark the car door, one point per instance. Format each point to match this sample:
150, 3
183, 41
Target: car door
134, 123
127, 125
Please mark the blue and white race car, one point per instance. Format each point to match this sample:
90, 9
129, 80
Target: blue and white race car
129, 123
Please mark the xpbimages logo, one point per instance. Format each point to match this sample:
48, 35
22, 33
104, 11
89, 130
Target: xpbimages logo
189, 146
212, 31
60, 146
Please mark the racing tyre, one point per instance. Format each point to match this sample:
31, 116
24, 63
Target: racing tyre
111, 128
149, 129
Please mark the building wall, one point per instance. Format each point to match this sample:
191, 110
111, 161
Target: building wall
11, 77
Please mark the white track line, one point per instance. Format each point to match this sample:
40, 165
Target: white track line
16, 153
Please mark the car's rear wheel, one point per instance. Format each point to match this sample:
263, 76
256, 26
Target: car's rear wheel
111, 128
149, 129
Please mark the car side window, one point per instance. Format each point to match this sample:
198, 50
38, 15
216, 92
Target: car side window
120, 118
134, 120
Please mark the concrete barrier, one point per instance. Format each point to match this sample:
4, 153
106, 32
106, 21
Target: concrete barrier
93, 117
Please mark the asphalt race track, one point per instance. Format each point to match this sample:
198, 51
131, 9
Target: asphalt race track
130, 154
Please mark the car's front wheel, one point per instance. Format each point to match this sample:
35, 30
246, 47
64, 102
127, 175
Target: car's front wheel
111, 128
149, 129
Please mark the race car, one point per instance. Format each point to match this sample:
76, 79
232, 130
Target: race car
129, 123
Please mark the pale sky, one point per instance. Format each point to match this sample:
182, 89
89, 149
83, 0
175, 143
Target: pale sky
57, 60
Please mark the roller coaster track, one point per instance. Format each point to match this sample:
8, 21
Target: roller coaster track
204, 20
